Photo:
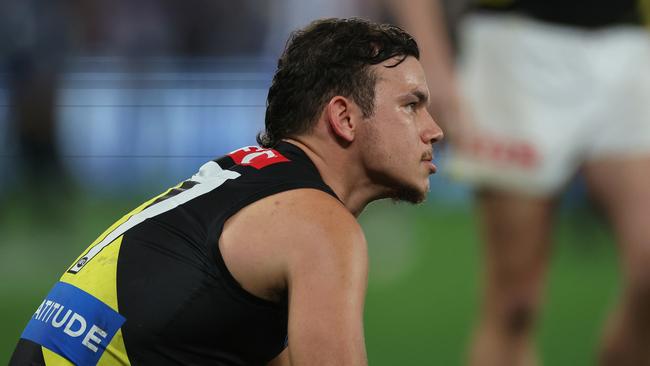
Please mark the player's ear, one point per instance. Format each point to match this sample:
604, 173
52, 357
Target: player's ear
341, 116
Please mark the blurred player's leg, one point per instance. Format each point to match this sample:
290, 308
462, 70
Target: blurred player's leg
517, 233
623, 187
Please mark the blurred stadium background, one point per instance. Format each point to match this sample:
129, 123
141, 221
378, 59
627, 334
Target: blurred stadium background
105, 103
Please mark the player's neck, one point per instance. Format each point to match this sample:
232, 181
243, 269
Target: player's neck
340, 170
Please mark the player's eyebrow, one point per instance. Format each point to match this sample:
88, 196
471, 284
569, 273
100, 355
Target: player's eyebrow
421, 96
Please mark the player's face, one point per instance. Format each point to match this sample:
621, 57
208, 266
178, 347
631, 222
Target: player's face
400, 133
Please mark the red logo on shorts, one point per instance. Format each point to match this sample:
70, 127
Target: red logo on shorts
257, 157
518, 153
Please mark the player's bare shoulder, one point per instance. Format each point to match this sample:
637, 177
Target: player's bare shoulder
321, 226
290, 231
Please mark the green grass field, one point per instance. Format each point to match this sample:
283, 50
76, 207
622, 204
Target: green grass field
424, 275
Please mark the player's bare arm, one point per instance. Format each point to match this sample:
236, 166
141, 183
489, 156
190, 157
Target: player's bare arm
307, 245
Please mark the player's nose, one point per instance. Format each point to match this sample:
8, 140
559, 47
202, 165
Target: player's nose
432, 132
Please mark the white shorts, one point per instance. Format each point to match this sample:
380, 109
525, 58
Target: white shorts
546, 98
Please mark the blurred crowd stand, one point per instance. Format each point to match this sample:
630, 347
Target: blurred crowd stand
118, 96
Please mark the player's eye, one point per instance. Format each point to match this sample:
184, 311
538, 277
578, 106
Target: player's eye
412, 106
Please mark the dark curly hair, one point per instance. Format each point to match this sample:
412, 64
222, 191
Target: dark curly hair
329, 57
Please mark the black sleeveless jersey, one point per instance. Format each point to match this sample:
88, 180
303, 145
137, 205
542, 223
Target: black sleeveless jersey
580, 13
154, 290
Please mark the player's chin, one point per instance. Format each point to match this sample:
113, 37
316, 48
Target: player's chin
415, 193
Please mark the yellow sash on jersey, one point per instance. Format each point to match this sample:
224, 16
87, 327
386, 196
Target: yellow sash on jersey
99, 278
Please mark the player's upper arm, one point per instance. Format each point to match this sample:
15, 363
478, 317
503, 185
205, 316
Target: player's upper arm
326, 272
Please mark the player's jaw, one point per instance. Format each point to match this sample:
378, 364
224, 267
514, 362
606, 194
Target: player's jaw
413, 186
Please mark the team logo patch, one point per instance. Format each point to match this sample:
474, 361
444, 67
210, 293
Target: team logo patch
257, 157
73, 324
